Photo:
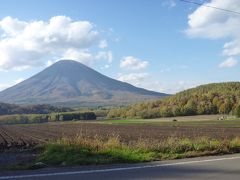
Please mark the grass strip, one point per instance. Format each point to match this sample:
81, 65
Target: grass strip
84, 150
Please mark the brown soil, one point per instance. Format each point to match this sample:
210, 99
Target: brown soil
25, 136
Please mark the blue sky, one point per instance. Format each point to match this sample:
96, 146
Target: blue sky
162, 45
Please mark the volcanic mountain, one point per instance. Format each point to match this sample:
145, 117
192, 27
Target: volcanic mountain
70, 83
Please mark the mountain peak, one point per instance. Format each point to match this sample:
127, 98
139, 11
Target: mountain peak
69, 82
68, 62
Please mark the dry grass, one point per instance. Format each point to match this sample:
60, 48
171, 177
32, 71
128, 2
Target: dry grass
97, 150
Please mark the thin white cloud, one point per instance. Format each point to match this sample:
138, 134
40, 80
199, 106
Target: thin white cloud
19, 80
169, 87
25, 44
106, 66
133, 63
49, 63
104, 55
103, 44
83, 56
7, 85
164, 70
230, 62
169, 3
4, 86
215, 24
133, 78
147, 81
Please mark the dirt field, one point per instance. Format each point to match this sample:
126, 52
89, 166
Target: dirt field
25, 136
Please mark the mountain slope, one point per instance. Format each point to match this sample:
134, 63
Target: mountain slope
216, 98
72, 83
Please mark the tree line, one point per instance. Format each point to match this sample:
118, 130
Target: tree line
8, 109
43, 118
216, 98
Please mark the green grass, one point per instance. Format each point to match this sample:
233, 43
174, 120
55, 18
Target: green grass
82, 151
181, 121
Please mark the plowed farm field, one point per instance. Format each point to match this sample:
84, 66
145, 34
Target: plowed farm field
26, 136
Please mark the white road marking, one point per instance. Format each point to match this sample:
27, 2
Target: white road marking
116, 169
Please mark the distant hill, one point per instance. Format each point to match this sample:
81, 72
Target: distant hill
216, 98
70, 83
8, 109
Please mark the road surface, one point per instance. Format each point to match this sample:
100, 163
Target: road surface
216, 168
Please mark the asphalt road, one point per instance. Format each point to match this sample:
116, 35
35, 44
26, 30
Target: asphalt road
218, 167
